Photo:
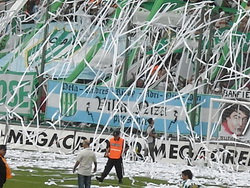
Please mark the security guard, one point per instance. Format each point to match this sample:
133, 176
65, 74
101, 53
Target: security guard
114, 154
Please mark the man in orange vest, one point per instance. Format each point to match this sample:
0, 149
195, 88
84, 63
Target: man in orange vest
5, 172
114, 154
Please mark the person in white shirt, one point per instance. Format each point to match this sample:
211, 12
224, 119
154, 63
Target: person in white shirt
84, 160
151, 136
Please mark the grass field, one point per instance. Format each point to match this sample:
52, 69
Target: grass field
45, 178
44, 170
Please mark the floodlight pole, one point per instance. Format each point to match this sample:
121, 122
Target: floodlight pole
125, 64
197, 69
209, 46
40, 76
209, 130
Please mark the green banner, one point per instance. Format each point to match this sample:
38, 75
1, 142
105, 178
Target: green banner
15, 92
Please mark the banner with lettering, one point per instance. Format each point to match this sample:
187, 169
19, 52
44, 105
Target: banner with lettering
15, 92
166, 151
125, 107
236, 94
234, 116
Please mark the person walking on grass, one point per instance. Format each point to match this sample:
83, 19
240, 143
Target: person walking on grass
5, 171
114, 154
85, 159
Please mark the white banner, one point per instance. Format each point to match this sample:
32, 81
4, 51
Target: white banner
236, 94
166, 151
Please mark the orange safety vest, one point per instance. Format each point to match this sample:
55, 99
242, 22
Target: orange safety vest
8, 170
116, 147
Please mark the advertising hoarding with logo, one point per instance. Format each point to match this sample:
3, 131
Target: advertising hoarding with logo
124, 107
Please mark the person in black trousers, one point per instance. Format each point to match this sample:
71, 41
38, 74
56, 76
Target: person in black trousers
114, 154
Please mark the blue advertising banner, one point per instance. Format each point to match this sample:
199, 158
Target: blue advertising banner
126, 107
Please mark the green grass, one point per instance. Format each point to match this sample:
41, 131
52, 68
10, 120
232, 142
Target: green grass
36, 178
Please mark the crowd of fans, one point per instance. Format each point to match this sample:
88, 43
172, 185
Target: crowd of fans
164, 71
228, 74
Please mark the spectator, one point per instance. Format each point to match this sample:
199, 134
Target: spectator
36, 7
140, 83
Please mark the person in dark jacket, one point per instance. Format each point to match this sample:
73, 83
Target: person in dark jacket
5, 172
